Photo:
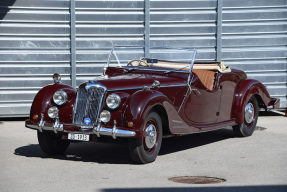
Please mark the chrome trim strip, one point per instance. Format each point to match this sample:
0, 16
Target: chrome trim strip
175, 121
44, 126
57, 126
42, 123
106, 65
179, 85
191, 66
75, 104
97, 130
96, 84
114, 130
186, 133
162, 86
150, 69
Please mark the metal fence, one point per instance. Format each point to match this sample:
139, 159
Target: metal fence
73, 38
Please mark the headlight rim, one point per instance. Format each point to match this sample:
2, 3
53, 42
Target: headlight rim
118, 99
64, 96
109, 114
55, 109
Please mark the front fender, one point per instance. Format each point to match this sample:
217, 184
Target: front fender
44, 100
141, 102
247, 89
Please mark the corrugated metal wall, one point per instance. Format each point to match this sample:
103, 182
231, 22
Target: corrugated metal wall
254, 38
35, 39
99, 25
189, 24
34, 43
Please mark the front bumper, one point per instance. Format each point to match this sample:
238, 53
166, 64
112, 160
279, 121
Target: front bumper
82, 129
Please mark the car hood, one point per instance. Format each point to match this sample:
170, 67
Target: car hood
137, 81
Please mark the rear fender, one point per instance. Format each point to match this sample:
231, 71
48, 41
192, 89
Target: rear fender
247, 89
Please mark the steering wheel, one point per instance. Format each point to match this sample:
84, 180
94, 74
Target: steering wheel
139, 62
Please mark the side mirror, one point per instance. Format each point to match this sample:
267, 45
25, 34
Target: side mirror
57, 78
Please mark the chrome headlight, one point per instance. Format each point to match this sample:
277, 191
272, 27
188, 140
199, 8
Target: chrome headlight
53, 112
105, 116
60, 97
113, 101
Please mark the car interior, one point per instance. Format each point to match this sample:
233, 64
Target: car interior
206, 71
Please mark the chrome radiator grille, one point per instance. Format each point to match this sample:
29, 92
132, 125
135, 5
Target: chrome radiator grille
88, 104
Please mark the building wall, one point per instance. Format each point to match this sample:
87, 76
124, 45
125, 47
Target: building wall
35, 39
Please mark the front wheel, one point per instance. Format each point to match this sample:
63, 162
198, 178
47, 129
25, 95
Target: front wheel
251, 111
51, 143
145, 150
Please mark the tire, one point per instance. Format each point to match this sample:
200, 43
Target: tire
51, 143
145, 150
251, 111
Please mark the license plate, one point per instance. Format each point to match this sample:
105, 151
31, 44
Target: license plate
79, 137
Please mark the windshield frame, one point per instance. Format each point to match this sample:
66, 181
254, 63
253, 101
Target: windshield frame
193, 53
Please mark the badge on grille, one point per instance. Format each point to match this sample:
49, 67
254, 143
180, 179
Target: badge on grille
87, 121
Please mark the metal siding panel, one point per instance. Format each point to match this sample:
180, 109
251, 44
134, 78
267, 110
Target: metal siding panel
136, 16
254, 27
253, 3
109, 4
178, 41
254, 40
34, 16
100, 25
178, 29
33, 29
106, 42
189, 24
36, 4
192, 15
253, 65
34, 44
184, 4
259, 14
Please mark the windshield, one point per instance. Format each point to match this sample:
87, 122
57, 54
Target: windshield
152, 56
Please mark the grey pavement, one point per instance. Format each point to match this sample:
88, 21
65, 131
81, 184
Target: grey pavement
256, 163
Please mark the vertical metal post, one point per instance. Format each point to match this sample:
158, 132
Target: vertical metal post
73, 41
219, 30
147, 27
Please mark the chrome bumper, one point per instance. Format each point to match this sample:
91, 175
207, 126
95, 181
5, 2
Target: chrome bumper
96, 130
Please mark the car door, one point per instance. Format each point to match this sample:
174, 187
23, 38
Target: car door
202, 104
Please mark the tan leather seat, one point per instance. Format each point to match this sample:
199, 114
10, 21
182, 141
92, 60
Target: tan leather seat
206, 77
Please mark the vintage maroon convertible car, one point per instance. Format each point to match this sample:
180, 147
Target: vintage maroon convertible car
144, 99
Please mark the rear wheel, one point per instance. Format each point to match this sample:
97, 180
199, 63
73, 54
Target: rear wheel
251, 111
51, 143
145, 149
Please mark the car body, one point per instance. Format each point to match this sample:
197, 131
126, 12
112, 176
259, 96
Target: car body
145, 101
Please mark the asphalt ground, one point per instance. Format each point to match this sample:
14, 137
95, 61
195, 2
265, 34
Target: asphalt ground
257, 163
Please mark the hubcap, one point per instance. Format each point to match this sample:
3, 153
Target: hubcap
150, 138
249, 113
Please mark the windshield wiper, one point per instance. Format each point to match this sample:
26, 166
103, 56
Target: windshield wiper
167, 72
